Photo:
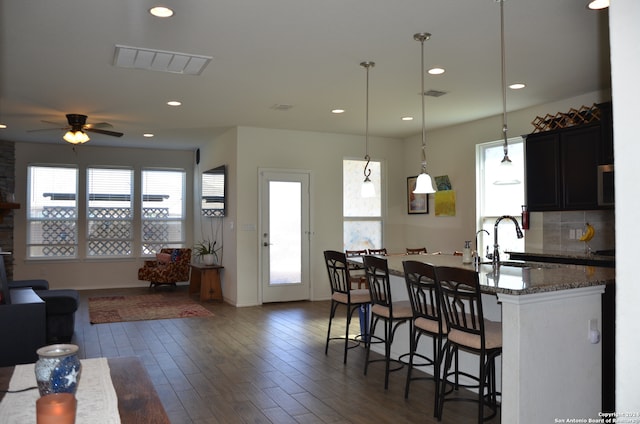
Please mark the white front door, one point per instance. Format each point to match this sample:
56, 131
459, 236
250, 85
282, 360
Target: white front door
284, 235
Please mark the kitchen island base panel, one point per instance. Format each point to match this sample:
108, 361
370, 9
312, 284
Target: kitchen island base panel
550, 368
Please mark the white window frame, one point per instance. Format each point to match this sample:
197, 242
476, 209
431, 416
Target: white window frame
150, 247
32, 219
97, 226
507, 239
81, 219
376, 178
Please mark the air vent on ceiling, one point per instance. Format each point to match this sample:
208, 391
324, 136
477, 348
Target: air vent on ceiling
280, 106
159, 60
434, 93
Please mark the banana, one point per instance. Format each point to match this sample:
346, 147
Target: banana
588, 233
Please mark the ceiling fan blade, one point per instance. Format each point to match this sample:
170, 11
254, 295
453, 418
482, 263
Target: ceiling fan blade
105, 132
98, 125
53, 123
49, 129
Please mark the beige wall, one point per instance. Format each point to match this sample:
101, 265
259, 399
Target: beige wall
89, 273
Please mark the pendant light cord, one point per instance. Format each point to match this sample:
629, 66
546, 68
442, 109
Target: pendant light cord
367, 170
422, 37
504, 84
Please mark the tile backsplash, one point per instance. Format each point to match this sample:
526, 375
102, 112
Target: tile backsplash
561, 230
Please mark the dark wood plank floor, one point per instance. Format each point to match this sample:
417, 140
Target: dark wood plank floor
263, 364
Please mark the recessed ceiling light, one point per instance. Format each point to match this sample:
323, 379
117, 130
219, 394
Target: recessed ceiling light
337, 111
161, 12
517, 86
436, 71
174, 103
148, 135
3, 126
598, 4
407, 118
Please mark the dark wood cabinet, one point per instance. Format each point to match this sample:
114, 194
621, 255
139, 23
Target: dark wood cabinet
561, 168
606, 126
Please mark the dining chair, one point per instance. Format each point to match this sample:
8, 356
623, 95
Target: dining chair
461, 305
343, 294
380, 252
357, 273
416, 251
383, 308
424, 296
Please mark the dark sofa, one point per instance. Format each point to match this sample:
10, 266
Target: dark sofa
32, 316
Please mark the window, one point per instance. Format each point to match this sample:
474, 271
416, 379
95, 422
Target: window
52, 212
163, 216
494, 200
109, 212
362, 216
117, 219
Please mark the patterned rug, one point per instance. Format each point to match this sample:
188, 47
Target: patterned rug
144, 307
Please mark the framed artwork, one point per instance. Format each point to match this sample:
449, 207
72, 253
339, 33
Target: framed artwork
416, 203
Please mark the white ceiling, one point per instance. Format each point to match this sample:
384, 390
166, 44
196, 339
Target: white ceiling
56, 58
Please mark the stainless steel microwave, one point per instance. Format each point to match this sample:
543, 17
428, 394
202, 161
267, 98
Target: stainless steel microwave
606, 186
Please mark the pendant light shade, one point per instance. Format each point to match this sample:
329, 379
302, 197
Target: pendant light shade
506, 172
368, 189
424, 185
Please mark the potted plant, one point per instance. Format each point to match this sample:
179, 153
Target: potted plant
207, 252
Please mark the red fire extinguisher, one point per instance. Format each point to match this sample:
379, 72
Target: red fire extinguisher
525, 218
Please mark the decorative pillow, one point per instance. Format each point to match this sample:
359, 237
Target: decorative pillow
163, 258
175, 255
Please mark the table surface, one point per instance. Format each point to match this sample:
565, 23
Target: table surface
203, 266
138, 401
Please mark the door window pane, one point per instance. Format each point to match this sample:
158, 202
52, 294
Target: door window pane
285, 224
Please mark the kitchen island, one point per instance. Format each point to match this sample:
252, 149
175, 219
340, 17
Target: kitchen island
551, 317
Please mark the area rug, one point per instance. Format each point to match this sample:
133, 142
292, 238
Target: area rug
143, 307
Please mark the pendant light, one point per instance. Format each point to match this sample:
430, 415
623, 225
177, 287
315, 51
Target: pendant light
506, 173
423, 183
368, 189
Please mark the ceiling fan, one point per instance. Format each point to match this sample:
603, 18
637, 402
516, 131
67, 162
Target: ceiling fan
78, 128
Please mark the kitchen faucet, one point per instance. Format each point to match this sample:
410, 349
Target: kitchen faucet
495, 257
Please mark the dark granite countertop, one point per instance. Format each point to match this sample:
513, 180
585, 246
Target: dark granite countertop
517, 277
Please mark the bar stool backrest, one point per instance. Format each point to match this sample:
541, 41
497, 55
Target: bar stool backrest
462, 301
338, 270
379, 284
424, 293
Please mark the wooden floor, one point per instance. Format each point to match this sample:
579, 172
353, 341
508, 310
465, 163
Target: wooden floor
263, 364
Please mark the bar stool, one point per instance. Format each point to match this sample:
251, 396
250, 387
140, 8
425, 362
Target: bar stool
393, 314
427, 321
357, 273
342, 294
461, 303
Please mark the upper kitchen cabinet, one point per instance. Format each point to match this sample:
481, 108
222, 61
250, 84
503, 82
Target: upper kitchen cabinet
606, 125
561, 168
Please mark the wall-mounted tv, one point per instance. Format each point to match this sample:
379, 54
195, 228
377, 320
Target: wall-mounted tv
213, 191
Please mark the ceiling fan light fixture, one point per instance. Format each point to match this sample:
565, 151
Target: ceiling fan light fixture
76, 137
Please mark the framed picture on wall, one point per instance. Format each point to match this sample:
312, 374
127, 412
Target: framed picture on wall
416, 203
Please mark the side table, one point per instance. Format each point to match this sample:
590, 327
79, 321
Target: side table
206, 280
